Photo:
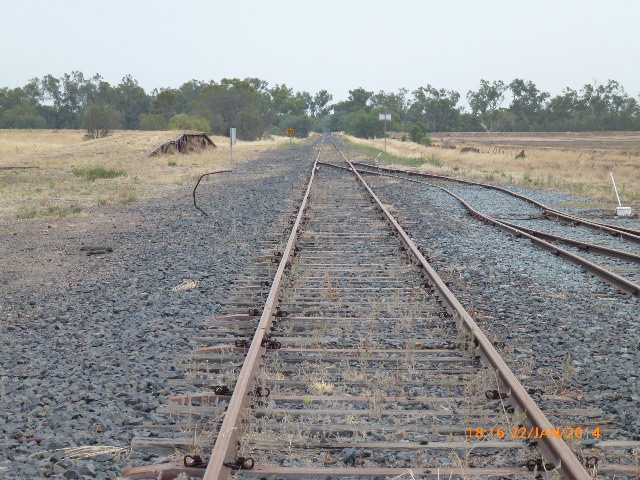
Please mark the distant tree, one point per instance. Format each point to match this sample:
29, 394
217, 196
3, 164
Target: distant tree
22, 117
320, 103
486, 101
527, 104
73, 99
338, 121
132, 101
222, 104
396, 104
253, 107
561, 111
435, 109
187, 95
100, 120
32, 93
249, 125
364, 125
50, 88
358, 101
165, 103
607, 106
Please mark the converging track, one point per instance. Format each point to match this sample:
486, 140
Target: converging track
360, 363
610, 252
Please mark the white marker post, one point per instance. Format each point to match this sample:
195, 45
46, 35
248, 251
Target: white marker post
385, 117
232, 142
620, 210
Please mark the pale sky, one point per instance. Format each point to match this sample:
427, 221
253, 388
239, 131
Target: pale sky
330, 44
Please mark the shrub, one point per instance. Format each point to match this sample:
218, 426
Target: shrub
153, 122
91, 174
433, 160
27, 212
189, 122
416, 132
128, 196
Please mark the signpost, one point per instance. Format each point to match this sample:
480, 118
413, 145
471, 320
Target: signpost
290, 132
620, 210
385, 117
232, 142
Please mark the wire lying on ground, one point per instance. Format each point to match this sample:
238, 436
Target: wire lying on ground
198, 183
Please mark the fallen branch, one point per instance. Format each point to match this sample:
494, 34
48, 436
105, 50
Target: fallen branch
198, 183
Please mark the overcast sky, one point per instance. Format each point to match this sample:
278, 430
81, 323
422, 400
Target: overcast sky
335, 45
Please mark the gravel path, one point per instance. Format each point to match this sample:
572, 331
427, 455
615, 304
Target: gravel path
583, 335
87, 343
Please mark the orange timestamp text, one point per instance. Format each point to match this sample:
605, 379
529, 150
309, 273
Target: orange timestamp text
532, 432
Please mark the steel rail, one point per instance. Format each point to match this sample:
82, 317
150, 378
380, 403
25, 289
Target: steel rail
554, 449
225, 447
585, 246
624, 232
612, 278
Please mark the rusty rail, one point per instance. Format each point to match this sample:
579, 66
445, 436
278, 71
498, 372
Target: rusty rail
624, 232
224, 457
612, 278
225, 448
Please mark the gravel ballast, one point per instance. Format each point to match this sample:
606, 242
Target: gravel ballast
582, 334
88, 341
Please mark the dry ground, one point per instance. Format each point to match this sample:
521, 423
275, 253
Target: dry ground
49, 187
577, 163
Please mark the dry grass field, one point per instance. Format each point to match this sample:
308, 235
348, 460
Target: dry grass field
44, 173
577, 163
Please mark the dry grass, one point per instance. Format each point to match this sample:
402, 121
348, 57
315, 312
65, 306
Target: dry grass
16, 143
580, 165
49, 187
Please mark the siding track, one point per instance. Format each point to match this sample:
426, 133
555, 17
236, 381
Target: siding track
615, 260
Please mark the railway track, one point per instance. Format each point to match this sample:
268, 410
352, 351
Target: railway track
628, 233
346, 356
612, 255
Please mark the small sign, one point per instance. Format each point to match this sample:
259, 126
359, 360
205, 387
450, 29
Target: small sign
385, 116
232, 134
290, 132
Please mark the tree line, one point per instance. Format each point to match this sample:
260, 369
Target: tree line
257, 109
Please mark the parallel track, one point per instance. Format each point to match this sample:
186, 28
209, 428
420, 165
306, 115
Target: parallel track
631, 234
623, 277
